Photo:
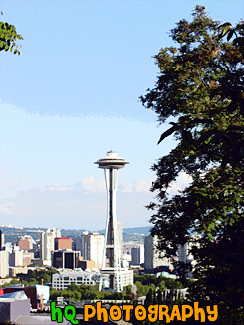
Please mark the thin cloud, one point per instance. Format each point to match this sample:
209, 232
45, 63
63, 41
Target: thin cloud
56, 188
7, 207
181, 182
91, 184
143, 186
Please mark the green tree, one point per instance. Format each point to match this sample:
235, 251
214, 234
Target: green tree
200, 92
149, 298
9, 38
236, 33
13, 281
36, 277
54, 294
159, 297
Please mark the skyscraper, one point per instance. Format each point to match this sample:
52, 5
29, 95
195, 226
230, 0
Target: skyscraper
65, 259
1, 239
152, 258
16, 258
137, 255
25, 242
4, 264
62, 243
111, 262
47, 244
78, 244
92, 248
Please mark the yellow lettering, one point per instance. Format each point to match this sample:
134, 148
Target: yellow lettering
198, 311
102, 313
115, 313
152, 313
140, 312
213, 314
184, 314
88, 315
175, 313
162, 313
127, 309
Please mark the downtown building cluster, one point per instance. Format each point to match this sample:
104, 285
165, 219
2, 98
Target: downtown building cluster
104, 258
73, 256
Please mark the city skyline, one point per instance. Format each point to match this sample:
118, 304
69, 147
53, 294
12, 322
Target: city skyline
71, 95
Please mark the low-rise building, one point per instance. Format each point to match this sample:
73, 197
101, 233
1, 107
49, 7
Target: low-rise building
127, 277
65, 278
12, 308
14, 270
84, 264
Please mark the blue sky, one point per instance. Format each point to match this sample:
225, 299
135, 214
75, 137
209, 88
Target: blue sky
71, 95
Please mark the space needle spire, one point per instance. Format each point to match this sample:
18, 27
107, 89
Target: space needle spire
111, 261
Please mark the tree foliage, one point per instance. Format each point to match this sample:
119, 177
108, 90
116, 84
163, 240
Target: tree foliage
9, 38
36, 277
200, 92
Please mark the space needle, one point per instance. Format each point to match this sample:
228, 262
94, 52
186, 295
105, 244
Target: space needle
111, 261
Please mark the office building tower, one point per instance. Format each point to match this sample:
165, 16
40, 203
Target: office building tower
78, 244
8, 247
16, 258
185, 255
1, 239
62, 243
65, 259
92, 248
47, 244
137, 255
152, 257
4, 264
25, 243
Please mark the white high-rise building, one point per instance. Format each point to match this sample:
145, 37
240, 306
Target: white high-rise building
152, 257
92, 248
4, 264
47, 244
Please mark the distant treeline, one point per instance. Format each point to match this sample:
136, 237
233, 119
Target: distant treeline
129, 234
